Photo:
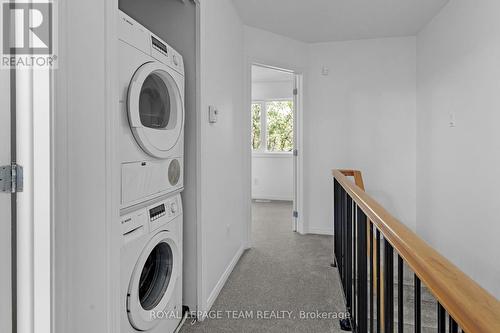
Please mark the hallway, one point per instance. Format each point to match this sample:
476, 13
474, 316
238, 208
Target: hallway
284, 271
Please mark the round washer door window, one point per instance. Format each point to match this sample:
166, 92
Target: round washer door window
155, 108
153, 281
155, 276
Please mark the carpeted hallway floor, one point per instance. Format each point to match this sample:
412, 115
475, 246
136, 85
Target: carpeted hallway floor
284, 272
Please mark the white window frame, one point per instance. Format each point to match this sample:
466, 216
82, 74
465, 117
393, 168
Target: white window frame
262, 151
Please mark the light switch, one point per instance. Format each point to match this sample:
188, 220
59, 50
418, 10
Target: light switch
212, 114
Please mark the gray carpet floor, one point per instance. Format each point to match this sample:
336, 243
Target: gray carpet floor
284, 271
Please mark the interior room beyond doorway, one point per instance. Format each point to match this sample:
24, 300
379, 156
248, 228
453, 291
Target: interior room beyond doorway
272, 134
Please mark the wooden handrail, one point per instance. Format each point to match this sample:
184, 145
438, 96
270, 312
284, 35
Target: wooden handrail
358, 178
472, 307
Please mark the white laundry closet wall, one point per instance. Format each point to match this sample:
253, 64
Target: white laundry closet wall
87, 189
223, 214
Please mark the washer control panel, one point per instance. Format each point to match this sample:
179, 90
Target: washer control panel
157, 212
148, 219
164, 211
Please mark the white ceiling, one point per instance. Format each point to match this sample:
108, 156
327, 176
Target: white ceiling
263, 74
339, 20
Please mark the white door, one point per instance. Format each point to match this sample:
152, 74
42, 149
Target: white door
5, 207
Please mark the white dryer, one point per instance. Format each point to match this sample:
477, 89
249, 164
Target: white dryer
151, 79
151, 267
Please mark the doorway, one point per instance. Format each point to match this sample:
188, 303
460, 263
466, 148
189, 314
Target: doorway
275, 137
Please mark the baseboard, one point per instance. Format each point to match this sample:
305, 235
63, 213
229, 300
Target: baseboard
271, 197
222, 281
320, 231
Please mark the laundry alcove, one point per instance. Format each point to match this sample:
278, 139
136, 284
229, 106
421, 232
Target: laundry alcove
176, 22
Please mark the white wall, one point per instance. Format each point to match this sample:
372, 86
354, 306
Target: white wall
274, 50
223, 213
272, 176
86, 192
458, 182
361, 116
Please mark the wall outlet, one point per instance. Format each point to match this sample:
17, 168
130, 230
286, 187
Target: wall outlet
256, 181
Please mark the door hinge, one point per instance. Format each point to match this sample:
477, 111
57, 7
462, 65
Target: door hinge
295, 92
295, 152
11, 178
295, 213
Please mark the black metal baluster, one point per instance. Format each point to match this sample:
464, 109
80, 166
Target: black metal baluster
418, 318
441, 319
378, 280
336, 219
354, 270
453, 326
388, 287
400, 295
362, 272
342, 237
349, 255
371, 278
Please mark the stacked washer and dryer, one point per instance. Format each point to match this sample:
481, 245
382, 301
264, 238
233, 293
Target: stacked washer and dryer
151, 78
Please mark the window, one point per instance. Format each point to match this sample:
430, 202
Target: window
274, 127
256, 125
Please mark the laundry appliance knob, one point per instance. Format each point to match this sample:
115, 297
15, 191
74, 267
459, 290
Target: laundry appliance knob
173, 208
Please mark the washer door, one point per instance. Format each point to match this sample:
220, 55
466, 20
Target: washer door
155, 109
153, 281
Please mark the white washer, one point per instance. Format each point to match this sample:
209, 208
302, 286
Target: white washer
151, 267
151, 79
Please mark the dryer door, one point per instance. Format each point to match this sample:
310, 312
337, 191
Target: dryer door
155, 108
153, 282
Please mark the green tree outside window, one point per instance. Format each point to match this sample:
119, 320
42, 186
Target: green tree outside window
256, 127
279, 126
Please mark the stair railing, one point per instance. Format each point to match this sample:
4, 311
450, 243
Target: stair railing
367, 238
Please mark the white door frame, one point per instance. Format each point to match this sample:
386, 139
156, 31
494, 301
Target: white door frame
298, 128
7, 306
33, 223
298, 222
27, 237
